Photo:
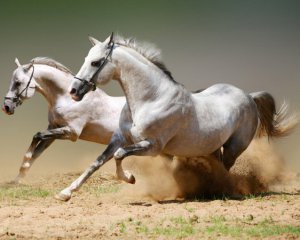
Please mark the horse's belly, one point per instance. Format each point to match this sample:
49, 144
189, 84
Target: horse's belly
197, 146
96, 133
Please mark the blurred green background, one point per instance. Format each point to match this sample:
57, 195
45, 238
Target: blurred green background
254, 45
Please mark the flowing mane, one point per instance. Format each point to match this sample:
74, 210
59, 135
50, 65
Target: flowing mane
147, 50
51, 62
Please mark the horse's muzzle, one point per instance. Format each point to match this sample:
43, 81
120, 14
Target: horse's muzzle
75, 95
6, 109
78, 90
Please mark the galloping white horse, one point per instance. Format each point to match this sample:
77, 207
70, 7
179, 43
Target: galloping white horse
93, 119
163, 117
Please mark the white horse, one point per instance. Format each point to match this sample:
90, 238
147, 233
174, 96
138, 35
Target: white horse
93, 119
163, 117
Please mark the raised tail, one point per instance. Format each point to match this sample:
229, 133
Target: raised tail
272, 123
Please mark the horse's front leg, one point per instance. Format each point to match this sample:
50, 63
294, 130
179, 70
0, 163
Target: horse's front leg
141, 148
126, 176
108, 153
40, 142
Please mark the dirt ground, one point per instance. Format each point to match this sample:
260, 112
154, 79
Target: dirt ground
179, 199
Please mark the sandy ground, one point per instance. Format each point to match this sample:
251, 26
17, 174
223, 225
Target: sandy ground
170, 200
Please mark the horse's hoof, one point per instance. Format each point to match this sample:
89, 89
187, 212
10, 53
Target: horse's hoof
63, 196
129, 177
15, 182
132, 180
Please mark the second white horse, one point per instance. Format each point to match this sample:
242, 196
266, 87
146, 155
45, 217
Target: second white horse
93, 119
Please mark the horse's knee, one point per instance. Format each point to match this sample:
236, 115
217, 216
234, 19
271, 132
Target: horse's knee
37, 136
120, 154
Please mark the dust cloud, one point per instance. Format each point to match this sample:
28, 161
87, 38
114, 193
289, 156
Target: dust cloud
259, 169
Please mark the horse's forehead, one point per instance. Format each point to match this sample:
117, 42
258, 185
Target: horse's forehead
18, 72
96, 51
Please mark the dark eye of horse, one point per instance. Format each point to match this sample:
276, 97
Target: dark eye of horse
17, 84
96, 63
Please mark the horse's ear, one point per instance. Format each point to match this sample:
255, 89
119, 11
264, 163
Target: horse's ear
17, 62
27, 67
109, 40
93, 41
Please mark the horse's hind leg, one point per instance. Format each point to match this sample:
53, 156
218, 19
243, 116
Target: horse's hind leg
231, 153
36, 148
241, 138
218, 154
40, 142
234, 147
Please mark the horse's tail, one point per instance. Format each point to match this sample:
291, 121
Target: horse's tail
272, 123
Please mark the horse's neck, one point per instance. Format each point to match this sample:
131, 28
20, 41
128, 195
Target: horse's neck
141, 82
52, 83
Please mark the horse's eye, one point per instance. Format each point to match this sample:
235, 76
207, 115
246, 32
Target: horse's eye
17, 84
96, 63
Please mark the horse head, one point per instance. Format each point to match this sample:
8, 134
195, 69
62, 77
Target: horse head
96, 69
22, 86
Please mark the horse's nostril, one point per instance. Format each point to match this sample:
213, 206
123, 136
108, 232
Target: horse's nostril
73, 90
5, 109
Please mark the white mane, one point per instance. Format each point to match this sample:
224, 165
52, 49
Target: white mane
51, 62
148, 50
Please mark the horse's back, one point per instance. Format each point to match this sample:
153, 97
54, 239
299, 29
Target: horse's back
219, 90
220, 99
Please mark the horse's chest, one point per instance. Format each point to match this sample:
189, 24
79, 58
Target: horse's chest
57, 119
136, 133
130, 131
